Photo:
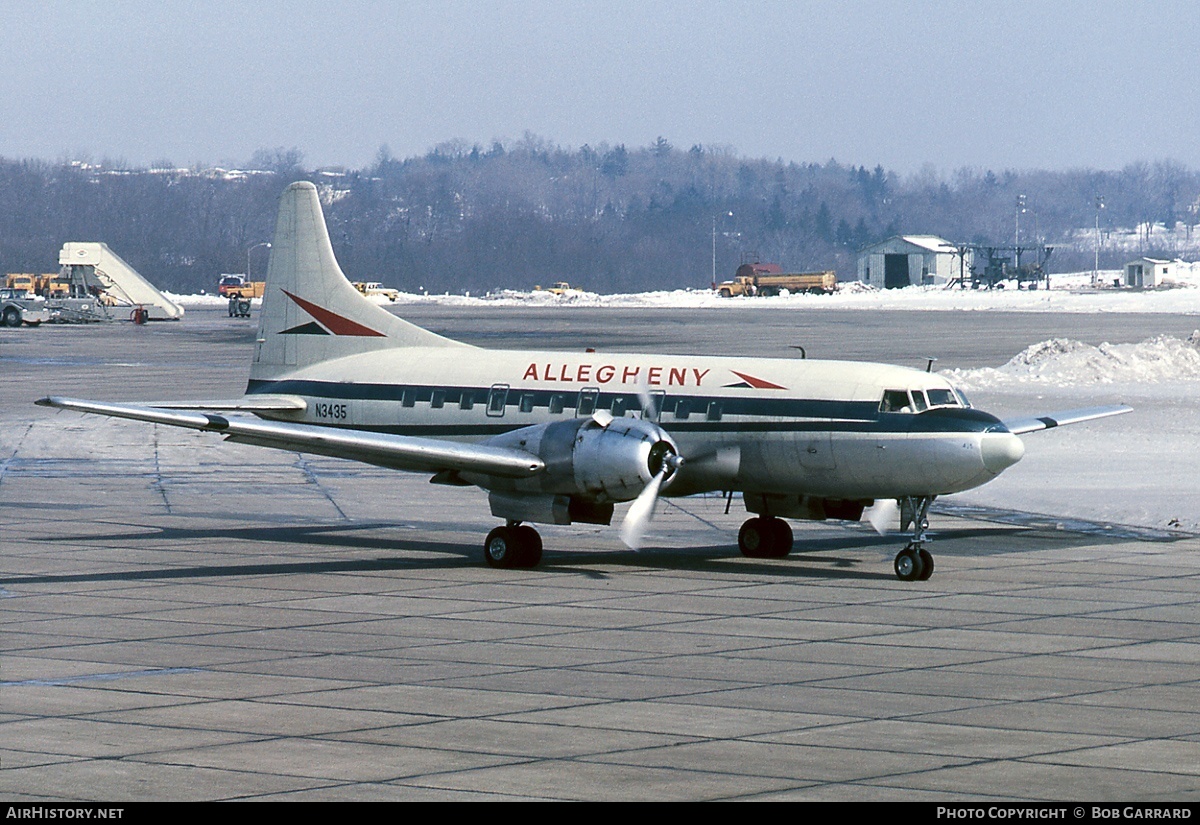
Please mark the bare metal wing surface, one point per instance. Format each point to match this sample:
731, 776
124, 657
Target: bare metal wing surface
1033, 423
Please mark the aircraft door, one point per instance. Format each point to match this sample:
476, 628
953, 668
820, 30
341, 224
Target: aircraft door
653, 411
588, 397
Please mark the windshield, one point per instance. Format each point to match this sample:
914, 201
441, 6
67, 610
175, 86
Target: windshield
918, 400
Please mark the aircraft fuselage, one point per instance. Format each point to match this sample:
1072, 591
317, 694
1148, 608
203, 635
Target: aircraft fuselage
797, 427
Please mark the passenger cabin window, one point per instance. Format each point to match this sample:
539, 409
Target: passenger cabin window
467, 401
408, 398
556, 404
527, 402
714, 411
681, 409
618, 406
439, 399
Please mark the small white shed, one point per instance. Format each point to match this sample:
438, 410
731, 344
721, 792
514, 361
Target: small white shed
1148, 272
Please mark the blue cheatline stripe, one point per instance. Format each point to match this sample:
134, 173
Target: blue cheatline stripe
683, 413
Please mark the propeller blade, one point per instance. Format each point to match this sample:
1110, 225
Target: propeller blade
883, 515
649, 412
641, 512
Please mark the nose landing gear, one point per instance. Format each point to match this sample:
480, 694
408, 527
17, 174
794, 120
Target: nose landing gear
914, 563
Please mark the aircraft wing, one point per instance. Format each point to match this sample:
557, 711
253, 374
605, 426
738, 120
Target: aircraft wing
1033, 423
395, 451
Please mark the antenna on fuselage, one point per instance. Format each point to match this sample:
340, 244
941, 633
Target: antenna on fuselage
929, 359
803, 354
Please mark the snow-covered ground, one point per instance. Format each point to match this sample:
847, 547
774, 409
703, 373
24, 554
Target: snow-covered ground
1068, 293
1140, 469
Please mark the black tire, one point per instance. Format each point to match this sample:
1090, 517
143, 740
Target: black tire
725, 293
529, 546
908, 565
501, 548
12, 317
781, 539
926, 565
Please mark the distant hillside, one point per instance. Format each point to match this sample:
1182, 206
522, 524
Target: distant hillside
606, 218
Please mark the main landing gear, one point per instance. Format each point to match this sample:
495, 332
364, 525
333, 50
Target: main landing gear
765, 537
914, 563
513, 545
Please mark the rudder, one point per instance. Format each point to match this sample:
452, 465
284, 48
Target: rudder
311, 312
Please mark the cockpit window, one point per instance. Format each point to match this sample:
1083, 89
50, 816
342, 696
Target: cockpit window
917, 400
942, 398
895, 401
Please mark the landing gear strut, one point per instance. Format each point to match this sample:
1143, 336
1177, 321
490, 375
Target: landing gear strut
513, 545
765, 537
914, 563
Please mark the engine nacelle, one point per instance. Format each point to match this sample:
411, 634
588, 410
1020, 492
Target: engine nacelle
596, 459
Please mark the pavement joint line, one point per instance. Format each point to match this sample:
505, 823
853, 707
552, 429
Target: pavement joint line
102, 677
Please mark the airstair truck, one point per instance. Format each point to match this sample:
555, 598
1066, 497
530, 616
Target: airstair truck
95, 265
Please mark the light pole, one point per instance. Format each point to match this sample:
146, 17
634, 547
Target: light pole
1096, 266
248, 251
714, 247
1017, 233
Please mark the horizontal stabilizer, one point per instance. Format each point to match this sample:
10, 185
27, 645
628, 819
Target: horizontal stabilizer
381, 449
250, 403
1033, 423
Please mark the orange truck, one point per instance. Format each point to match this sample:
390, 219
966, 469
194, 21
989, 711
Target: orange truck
231, 286
747, 283
46, 285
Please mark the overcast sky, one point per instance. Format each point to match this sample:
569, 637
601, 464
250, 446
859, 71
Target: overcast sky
1019, 84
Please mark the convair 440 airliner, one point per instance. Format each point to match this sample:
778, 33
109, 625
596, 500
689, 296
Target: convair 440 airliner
558, 437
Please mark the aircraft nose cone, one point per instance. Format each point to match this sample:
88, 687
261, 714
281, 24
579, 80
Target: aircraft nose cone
1001, 451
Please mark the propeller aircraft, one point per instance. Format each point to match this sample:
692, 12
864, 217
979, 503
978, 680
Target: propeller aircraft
557, 437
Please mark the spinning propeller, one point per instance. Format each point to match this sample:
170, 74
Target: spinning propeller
883, 514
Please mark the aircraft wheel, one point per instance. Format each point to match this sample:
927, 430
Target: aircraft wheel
926, 565
909, 565
781, 538
502, 548
754, 538
529, 550
765, 538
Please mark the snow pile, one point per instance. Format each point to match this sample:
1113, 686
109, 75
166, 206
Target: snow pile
1062, 362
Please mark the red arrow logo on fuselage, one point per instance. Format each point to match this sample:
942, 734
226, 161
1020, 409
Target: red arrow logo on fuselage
756, 383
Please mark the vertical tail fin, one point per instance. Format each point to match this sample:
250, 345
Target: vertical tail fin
311, 312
